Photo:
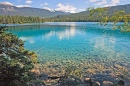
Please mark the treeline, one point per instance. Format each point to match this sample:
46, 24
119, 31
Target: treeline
73, 19
60, 18
22, 19
19, 19
86, 18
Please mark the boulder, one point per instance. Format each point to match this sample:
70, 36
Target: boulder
43, 76
91, 82
87, 80
121, 83
72, 81
36, 71
95, 83
107, 83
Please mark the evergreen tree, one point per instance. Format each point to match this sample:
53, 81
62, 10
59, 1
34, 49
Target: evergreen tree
16, 63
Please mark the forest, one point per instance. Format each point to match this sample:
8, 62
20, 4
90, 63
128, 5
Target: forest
22, 19
19, 19
61, 18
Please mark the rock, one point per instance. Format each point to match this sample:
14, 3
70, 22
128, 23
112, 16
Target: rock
121, 83
43, 76
107, 83
37, 72
84, 85
118, 66
72, 81
95, 83
91, 83
36, 83
39, 84
87, 80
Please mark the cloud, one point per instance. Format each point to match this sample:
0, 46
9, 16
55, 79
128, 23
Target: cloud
80, 10
63, 8
23, 6
66, 8
6, 3
105, 3
93, 0
101, 2
47, 8
28, 1
113, 3
46, 3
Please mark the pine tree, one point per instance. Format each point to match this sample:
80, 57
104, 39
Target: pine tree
15, 62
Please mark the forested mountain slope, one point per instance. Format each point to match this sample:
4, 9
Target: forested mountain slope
27, 11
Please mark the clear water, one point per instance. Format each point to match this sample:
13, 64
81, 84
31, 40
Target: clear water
78, 42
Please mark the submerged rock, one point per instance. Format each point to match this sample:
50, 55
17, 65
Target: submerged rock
87, 80
95, 83
36, 71
121, 83
91, 82
107, 83
43, 76
36, 83
72, 81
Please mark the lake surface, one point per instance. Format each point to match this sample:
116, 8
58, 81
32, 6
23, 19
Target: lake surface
88, 46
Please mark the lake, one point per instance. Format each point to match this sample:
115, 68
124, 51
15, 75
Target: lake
81, 45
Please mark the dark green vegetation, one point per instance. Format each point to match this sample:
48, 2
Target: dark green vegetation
27, 11
16, 63
19, 19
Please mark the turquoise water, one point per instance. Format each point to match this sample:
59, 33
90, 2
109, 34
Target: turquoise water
78, 42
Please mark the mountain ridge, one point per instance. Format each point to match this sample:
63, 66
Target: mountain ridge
12, 10
27, 11
84, 15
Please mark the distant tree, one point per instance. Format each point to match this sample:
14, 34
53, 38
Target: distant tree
16, 63
19, 19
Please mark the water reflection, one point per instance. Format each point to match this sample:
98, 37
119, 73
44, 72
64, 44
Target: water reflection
105, 44
100, 42
76, 36
64, 34
68, 33
29, 39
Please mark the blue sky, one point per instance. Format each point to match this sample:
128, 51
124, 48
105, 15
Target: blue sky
72, 6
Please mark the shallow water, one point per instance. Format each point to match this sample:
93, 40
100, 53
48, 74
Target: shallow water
78, 44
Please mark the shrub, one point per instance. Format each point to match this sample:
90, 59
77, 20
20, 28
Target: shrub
15, 62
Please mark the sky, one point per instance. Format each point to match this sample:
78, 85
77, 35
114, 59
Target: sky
72, 6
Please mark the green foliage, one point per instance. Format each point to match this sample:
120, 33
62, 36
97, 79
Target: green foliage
15, 61
19, 19
119, 16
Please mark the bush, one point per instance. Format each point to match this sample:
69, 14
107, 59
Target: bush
15, 62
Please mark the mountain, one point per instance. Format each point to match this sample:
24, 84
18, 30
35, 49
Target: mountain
83, 16
27, 11
54, 15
